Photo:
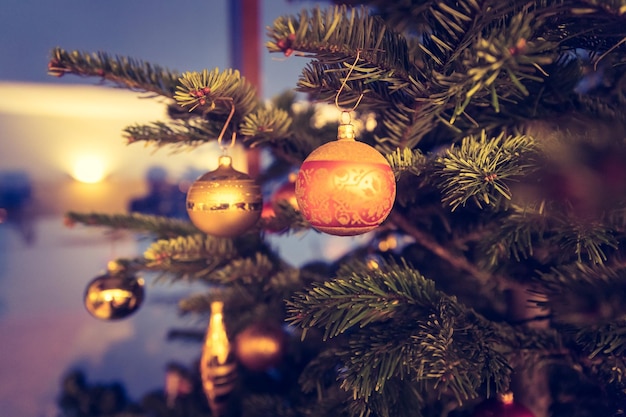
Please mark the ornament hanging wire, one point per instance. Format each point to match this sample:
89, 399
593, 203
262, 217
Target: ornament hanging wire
228, 119
346, 112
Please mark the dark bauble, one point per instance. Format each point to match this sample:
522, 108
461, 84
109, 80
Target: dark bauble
114, 296
260, 346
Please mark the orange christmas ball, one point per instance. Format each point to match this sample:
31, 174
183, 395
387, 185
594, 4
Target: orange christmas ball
260, 346
345, 187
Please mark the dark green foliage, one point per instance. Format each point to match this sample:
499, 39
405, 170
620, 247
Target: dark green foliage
503, 123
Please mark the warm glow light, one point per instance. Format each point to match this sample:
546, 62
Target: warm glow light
88, 169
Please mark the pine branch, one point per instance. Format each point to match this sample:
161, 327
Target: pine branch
122, 71
247, 272
266, 125
334, 35
478, 169
187, 133
207, 251
459, 262
157, 225
286, 219
400, 326
544, 225
406, 161
583, 295
215, 91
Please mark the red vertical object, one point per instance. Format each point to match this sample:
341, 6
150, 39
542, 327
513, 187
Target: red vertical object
245, 50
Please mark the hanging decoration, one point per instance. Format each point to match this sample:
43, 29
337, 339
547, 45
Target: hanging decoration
114, 295
287, 192
224, 202
260, 346
345, 187
502, 406
218, 366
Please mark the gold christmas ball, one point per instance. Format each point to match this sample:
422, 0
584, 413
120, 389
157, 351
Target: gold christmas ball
260, 346
345, 187
114, 296
224, 202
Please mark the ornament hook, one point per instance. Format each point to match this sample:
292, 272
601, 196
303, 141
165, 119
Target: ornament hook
343, 84
228, 119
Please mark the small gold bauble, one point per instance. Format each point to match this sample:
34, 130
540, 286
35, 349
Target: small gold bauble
345, 187
260, 346
224, 202
114, 295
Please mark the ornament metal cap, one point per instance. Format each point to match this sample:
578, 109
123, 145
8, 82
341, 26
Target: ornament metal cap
346, 131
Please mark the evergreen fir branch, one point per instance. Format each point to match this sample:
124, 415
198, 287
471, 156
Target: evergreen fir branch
608, 339
589, 240
513, 238
375, 356
447, 28
336, 33
241, 307
216, 91
447, 351
284, 282
406, 160
457, 261
505, 57
616, 7
398, 398
177, 133
478, 170
157, 225
345, 302
377, 87
265, 125
583, 295
122, 71
286, 220
406, 126
545, 225
243, 271
258, 128
205, 252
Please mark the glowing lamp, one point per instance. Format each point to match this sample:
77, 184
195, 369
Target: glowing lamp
89, 169
224, 202
345, 187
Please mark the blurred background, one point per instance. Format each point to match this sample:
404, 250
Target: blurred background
61, 148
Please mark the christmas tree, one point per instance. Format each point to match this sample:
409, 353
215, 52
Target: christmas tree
492, 261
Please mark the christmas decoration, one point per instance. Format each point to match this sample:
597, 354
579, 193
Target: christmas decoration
114, 295
345, 187
260, 346
502, 406
224, 202
218, 367
287, 192
503, 123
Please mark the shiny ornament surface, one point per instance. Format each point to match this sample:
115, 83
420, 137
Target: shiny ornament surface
224, 202
260, 346
218, 367
114, 296
503, 406
345, 187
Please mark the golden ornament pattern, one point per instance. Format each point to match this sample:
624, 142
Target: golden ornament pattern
344, 197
